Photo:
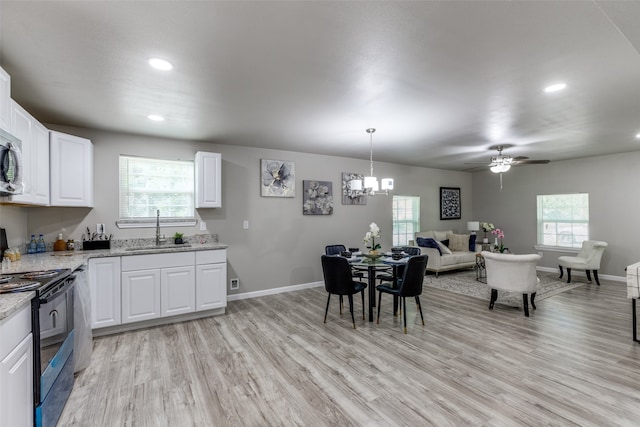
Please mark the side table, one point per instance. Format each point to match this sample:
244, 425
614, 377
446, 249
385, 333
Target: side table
481, 270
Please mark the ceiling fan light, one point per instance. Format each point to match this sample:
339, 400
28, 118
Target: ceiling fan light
500, 168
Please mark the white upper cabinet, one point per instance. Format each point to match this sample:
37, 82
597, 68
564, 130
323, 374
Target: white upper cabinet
35, 157
71, 170
5, 96
208, 167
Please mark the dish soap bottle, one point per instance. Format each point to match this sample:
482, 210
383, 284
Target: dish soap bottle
59, 245
41, 245
33, 245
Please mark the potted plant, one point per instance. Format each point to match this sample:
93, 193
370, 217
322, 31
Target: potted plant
177, 238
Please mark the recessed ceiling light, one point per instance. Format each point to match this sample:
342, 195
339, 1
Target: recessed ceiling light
155, 117
637, 135
555, 87
160, 64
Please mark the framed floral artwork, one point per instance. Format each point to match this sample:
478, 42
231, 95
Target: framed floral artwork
349, 196
317, 198
450, 204
277, 178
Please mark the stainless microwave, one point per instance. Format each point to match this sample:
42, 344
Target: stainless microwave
10, 165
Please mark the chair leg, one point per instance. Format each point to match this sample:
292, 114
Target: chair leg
561, 272
379, 305
533, 297
351, 310
420, 309
341, 303
404, 313
494, 297
595, 276
568, 275
326, 310
362, 293
525, 302
588, 275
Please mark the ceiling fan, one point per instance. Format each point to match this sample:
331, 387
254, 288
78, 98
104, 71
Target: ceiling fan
502, 162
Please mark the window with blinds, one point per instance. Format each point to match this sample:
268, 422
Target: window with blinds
147, 185
406, 219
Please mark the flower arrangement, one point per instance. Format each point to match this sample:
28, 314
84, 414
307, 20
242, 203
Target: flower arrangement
499, 246
374, 231
487, 227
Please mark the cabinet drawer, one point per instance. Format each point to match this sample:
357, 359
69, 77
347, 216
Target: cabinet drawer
14, 329
146, 262
211, 257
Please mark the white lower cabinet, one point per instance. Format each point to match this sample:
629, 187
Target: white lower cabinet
211, 279
104, 284
16, 370
140, 295
177, 290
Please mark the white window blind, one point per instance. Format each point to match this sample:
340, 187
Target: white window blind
406, 219
563, 220
147, 185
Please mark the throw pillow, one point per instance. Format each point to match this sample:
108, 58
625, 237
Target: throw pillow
428, 243
472, 243
443, 248
445, 242
458, 242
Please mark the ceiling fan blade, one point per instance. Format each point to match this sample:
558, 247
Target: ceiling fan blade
477, 163
518, 158
531, 162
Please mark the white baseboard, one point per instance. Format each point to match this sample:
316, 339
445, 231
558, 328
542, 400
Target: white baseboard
583, 274
273, 291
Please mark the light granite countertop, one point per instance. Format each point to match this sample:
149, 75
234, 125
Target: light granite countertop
12, 302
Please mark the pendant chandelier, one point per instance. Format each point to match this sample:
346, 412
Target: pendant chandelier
371, 182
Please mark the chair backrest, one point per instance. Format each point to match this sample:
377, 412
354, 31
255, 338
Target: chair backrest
592, 251
511, 272
413, 276
334, 249
411, 250
337, 275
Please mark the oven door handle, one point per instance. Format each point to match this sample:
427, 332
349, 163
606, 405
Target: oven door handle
58, 290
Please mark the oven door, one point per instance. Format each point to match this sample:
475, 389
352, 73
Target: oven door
54, 337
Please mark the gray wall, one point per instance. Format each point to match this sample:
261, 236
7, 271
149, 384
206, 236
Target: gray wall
613, 205
282, 247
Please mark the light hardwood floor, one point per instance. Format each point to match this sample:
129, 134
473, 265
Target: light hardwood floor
270, 361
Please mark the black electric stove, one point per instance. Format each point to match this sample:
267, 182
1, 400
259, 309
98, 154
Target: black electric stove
38, 281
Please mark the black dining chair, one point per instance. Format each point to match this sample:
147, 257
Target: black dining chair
410, 285
337, 250
339, 281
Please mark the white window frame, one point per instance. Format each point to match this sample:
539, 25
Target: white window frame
577, 216
412, 202
150, 221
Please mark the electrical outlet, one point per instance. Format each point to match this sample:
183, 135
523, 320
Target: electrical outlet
100, 229
234, 284
203, 226
245, 224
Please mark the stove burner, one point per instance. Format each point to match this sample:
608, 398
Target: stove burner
5, 279
18, 286
40, 274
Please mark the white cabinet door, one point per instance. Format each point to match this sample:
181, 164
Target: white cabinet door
211, 286
21, 125
71, 170
140, 295
104, 284
5, 96
178, 294
208, 167
40, 173
16, 387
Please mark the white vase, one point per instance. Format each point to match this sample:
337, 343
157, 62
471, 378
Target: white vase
485, 240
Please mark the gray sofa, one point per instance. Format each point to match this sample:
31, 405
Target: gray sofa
459, 258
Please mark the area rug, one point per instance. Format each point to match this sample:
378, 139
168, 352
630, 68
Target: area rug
464, 282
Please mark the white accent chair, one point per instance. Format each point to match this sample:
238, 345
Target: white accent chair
588, 260
512, 273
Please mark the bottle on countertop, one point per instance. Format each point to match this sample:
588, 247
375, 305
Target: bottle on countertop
41, 246
33, 245
59, 244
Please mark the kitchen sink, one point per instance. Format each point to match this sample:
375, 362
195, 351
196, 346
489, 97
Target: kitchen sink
154, 248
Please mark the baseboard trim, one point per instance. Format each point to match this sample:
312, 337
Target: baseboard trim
583, 274
273, 291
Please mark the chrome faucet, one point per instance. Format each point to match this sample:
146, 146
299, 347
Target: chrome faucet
158, 228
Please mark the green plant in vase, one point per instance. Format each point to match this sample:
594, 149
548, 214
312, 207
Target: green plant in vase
177, 239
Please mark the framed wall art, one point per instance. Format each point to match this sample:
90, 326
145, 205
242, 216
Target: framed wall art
277, 178
349, 196
450, 203
317, 198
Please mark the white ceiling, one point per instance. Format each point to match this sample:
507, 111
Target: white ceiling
441, 81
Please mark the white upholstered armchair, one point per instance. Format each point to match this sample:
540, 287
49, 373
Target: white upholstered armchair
588, 260
513, 273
